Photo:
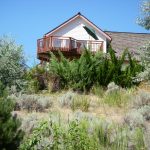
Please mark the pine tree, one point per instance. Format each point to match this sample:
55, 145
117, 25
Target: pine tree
10, 134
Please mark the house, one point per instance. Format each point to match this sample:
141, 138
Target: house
72, 36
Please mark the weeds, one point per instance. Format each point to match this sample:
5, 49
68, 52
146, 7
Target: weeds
98, 90
80, 102
75, 135
117, 98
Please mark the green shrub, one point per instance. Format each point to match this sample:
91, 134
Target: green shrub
81, 74
3, 90
36, 79
83, 134
12, 63
31, 142
10, 134
53, 136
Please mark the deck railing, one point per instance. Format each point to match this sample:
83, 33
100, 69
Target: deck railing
55, 43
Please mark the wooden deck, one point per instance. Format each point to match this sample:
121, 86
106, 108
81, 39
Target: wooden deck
70, 47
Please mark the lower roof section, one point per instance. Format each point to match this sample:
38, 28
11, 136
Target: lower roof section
132, 41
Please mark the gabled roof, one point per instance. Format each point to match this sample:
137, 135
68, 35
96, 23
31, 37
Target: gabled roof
132, 41
85, 19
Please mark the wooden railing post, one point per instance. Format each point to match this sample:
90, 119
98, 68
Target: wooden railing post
101, 48
70, 44
38, 46
43, 44
51, 41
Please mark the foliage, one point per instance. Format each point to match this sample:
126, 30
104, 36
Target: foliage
145, 59
10, 134
35, 137
89, 69
3, 90
144, 21
12, 62
36, 79
82, 135
75, 137
33, 102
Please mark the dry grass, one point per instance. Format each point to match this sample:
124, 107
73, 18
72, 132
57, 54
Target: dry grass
97, 108
144, 86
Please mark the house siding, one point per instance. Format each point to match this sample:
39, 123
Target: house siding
75, 30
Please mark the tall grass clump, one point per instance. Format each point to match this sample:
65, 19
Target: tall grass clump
74, 101
90, 69
116, 96
80, 102
97, 90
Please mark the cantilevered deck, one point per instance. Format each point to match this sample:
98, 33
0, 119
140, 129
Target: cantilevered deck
69, 46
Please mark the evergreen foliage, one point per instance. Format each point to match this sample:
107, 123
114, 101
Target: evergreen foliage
89, 69
10, 134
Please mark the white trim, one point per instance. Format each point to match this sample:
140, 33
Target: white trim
103, 33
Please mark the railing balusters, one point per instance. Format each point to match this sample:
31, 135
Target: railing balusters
68, 44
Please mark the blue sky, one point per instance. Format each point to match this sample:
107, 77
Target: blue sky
28, 20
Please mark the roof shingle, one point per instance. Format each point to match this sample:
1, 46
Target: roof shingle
132, 41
